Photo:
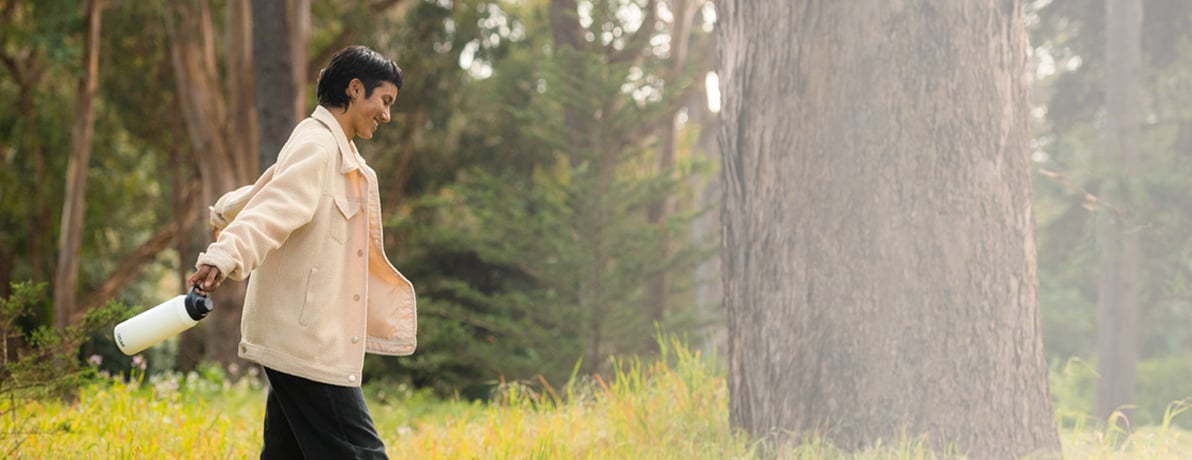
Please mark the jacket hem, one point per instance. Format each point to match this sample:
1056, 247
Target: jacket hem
289, 364
378, 346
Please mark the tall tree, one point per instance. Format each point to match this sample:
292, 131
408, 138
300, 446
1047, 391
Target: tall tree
222, 129
682, 14
878, 249
123, 225
279, 36
1080, 185
616, 95
32, 46
70, 238
1121, 255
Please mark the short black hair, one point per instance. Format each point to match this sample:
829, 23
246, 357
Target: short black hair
354, 62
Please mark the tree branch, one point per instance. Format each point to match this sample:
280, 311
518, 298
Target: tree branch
131, 266
670, 106
345, 37
564, 21
640, 38
1071, 185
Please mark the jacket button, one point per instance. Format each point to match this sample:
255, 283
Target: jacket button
355, 339
352, 378
360, 252
356, 297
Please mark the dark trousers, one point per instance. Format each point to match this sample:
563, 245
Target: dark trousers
313, 420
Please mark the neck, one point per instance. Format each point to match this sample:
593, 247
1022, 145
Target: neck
341, 117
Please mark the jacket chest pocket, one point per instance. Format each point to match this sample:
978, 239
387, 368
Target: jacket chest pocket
346, 204
343, 212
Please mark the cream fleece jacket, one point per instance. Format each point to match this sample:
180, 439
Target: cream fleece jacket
322, 291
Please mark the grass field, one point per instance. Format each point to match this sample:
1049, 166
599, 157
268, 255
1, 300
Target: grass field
675, 408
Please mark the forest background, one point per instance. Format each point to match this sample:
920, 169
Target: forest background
549, 177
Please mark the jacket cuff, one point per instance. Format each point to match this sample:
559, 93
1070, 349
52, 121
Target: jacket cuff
229, 205
225, 264
216, 218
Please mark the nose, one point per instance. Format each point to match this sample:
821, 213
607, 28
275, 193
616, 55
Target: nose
385, 116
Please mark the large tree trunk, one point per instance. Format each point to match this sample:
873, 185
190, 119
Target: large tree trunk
225, 159
70, 237
878, 252
1117, 301
279, 87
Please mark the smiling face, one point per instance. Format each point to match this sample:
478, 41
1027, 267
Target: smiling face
365, 114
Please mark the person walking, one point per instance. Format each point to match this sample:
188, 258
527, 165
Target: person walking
322, 291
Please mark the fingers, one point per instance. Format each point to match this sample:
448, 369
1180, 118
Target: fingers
212, 280
194, 278
206, 278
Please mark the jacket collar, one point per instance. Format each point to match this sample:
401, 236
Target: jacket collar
347, 149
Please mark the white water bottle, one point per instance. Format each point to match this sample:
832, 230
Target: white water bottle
162, 322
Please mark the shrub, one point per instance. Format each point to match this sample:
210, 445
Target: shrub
41, 363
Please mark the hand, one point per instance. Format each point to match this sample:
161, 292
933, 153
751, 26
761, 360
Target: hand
206, 278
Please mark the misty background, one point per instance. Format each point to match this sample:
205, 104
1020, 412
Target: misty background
549, 180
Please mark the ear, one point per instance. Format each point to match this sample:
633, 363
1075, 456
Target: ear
355, 89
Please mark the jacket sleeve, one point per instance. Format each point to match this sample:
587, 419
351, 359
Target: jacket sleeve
281, 206
230, 204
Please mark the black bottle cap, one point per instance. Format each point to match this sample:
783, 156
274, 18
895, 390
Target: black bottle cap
198, 305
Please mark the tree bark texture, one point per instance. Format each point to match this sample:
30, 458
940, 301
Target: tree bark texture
657, 290
1118, 296
241, 87
274, 77
225, 159
70, 236
878, 238
299, 31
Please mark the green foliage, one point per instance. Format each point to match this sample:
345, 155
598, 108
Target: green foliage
42, 363
38, 43
674, 407
136, 124
1068, 140
526, 236
1164, 388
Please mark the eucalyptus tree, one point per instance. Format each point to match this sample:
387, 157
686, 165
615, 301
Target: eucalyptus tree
878, 254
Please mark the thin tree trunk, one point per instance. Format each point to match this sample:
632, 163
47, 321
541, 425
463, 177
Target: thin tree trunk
242, 99
709, 290
190, 348
878, 236
74, 202
274, 77
1118, 297
42, 226
657, 291
299, 29
566, 30
7, 258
